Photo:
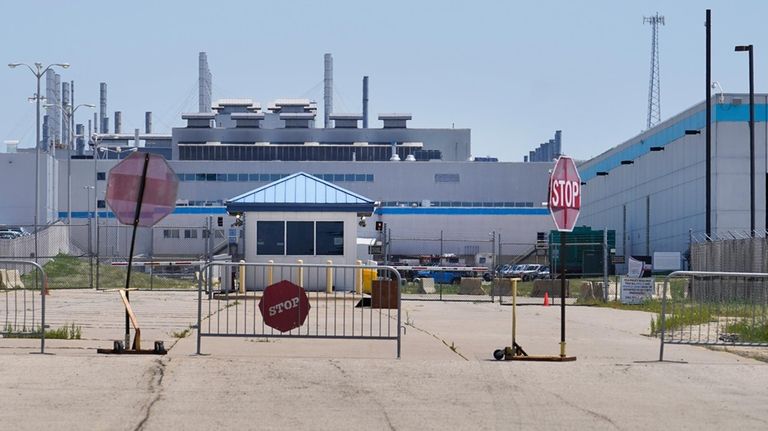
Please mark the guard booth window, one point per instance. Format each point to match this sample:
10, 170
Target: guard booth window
270, 237
300, 238
330, 237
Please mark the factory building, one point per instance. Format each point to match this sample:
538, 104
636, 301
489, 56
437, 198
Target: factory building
652, 188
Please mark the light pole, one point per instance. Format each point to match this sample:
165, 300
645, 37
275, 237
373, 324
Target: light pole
90, 237
750, 50
69, 114
38, 70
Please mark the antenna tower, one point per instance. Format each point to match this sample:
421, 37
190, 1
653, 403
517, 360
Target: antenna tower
654, 86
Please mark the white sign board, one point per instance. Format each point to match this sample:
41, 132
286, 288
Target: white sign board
666, 261
634, 267
636, 290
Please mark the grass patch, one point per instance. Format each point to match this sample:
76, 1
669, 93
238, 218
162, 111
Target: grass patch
181, 334
67, 272
757, 333
66, 332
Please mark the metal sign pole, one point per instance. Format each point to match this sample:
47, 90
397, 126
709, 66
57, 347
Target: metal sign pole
563, 260
133, 242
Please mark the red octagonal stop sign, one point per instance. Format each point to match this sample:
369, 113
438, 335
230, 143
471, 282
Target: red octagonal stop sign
284, 306
565, 194
160, 189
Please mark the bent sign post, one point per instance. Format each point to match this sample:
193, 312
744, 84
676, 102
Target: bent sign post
564, 205
141, 191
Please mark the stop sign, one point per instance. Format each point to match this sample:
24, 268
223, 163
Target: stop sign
160, 189
565, 194
284, 306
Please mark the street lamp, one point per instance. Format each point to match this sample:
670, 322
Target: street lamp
750, 50
38, 70
69, 113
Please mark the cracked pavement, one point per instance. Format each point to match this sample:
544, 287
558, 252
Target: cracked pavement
243, 383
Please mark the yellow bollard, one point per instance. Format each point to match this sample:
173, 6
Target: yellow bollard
329, 277
300, 282
359, 278
242, 277
269, 272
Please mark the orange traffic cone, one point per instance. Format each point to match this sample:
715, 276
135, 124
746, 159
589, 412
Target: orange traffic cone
546, 299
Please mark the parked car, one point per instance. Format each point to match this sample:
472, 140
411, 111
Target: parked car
530, 271
8, 234
543, 273
508, 271
20, 231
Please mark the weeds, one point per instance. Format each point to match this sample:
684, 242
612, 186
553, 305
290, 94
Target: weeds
66, 332
181, 334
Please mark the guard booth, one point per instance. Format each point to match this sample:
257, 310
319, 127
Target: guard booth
300, 218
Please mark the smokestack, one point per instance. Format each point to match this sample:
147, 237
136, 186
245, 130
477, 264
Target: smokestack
80, 141
72, 103
118, 122
95, 125
136, 138
328, 91
147, 122
205, 83
103, 125
65, 137
365, 102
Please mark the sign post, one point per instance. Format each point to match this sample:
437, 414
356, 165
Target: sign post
564, 205
141, 191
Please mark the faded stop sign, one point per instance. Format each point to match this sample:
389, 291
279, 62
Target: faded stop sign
124, 183
284, 306
565, 194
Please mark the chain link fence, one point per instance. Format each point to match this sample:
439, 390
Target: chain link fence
733, 252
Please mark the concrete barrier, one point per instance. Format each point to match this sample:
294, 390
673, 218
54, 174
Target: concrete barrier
552, 287
471, 286
427, 285
502, 287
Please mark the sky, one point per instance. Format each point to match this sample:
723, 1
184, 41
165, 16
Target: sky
513, 72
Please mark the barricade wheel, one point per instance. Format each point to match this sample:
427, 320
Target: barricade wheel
498, 354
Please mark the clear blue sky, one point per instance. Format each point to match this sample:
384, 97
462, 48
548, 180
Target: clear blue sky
513, 72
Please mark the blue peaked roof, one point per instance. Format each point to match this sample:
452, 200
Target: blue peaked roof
300, 192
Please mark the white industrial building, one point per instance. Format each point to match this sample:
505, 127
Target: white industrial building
652, 188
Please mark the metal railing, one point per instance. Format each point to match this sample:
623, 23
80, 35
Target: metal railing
714, 308
21, 315
360, 302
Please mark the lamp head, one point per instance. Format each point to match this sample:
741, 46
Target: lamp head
14, 65
63, 65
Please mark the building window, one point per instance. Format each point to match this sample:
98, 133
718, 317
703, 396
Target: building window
101, 204
190, 233
446, 178
300, 238
101, 176
330, 237
170, 233
270, 237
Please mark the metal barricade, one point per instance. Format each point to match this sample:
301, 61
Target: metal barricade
714, 309
360, 302
23, 314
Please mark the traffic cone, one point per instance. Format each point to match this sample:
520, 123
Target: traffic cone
546, 299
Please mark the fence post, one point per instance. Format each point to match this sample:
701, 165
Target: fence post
241, 277
329, 277
270, 266
663, 316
